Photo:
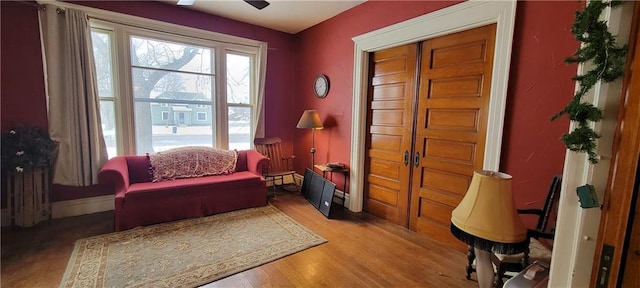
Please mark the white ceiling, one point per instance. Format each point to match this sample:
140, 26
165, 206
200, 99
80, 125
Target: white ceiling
291, 16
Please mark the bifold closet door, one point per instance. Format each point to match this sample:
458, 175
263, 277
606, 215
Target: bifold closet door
450, 134
390, 123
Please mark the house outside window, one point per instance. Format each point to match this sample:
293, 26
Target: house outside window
176, 99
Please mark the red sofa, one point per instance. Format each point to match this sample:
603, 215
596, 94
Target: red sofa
138, 201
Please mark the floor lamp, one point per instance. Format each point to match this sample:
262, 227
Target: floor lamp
486, 219
310, 120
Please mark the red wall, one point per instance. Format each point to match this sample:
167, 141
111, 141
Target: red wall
22, 89
540, 85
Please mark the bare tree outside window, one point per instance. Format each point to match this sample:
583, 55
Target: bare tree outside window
159, 69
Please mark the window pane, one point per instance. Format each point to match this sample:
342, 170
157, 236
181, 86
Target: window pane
240, 128
238, 79
159, 84
170, 55
153, 134
108, 117
104, 78
103, 61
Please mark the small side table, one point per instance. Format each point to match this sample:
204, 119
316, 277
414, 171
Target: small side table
344, 171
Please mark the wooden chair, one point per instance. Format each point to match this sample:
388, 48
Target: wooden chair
279, 165
545, 229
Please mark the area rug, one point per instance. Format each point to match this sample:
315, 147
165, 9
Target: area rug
187, 253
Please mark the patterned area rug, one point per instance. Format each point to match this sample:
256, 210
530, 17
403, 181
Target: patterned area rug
187, 253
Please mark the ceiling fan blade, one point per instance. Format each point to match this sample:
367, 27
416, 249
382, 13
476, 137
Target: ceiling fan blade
259, 4
186, 2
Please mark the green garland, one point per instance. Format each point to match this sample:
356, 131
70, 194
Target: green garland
599, 47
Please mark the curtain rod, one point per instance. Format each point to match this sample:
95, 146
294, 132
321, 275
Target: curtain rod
90, 14
32, 4
41, 7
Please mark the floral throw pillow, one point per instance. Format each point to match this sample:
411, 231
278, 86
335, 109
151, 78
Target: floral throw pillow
192, 161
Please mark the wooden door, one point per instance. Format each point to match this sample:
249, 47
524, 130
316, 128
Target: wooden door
453, 100
390, 122
620, 222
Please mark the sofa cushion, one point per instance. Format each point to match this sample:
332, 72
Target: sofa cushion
187, 186
241, 164
139, 169
192, 161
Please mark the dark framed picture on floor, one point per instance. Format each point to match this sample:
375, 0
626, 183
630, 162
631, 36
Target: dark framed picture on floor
318, 191
315, 190
306, 182
327, 198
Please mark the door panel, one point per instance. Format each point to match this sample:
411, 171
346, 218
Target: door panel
390, 125
450, 133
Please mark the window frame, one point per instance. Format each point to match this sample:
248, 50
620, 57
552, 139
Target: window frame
221, 43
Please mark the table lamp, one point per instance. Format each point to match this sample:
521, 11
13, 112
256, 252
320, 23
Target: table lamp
310, 119
487, 220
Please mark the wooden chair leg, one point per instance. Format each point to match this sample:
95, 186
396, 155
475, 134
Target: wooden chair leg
471, 255
500, 270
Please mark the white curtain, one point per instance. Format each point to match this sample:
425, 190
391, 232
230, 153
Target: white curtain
258, 122
72, 96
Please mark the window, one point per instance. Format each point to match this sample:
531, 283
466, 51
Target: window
239, 88
106, 87
169, 76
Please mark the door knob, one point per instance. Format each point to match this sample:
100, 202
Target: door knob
417, 160
406, 158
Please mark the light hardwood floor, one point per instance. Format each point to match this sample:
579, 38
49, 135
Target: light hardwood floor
363, 251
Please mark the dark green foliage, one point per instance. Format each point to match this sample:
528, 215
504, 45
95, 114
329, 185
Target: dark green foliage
582, 139
26, 148
598, 47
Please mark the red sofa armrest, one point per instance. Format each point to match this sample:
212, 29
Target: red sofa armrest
256, 162
115, 173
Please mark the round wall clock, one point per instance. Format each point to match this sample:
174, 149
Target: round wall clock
321, 86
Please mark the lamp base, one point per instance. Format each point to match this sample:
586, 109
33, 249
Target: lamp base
488, 245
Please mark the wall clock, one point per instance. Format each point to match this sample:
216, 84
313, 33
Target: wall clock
321, 86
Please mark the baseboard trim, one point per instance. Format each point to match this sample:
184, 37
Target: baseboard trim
82, 206
298, 179
337, 198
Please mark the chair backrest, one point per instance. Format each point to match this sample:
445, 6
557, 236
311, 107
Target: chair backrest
271, 148
547, 221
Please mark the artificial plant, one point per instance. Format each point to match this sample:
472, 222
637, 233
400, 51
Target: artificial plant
607, 58
25, 148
